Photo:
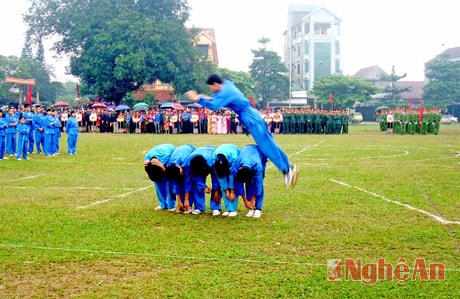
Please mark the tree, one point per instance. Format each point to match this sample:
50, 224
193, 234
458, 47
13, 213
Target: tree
269, 74
393, 90
241, 80
443, 87
116, 46
345, 90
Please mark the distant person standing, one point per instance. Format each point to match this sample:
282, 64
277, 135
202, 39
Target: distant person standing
71, 127
49, 131
37, 125
225, 94
2, 136
28, 116
11, 123
23, 130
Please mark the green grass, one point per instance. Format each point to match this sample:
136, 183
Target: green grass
84, 226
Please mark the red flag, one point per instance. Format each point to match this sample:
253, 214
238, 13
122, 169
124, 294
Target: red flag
251, 99
268, 106
78, 91
420, 110
29, 94
331, 100
410, 103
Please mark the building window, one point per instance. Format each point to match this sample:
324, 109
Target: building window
307, 48
204, 49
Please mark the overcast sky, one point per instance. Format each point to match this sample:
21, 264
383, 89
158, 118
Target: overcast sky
402, 33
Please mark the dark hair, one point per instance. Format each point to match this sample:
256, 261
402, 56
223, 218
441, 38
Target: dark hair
26, 105
199, 166
173, 173
221, 166
154, 172
214, 79
244, 175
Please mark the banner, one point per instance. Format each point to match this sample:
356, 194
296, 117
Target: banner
20, 81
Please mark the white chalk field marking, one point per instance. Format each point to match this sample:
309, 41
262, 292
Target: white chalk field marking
296, 153
67, 188
438, 218
112, 198
169, 256
27, 178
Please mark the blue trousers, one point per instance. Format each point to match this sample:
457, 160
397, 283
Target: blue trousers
11, 143
230, 206
23, 146
165, 197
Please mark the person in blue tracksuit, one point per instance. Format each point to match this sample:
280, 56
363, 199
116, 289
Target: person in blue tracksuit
49, 131
57, 132
249, 170
197, 168
23, 130
38, 131
71, 127
2, 136
224, 157
225, 94
28, 115
175, 174
154, 164
12, 122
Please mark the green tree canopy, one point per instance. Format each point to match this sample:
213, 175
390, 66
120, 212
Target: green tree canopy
443, 87
269, 74
116, 46
345, 90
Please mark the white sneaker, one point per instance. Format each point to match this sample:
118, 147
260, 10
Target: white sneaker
188, 211
172, 209
215, 213
158, 208
232, 214
250, 213
19, 159
290, 178
196, 212
225, 214
5, 158
257, 214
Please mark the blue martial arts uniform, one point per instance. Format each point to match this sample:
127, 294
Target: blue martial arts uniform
38, 131
12, 122
2, 137
179, 157
231, 152
195, 185
229, 96
49, 131
71, 127
23, 140
28, 116
162, 187
250, 156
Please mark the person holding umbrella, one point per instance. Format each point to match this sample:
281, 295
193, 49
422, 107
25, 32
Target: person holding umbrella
225, 94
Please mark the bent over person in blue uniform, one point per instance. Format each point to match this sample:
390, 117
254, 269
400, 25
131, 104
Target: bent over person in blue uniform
225, 94
154, 164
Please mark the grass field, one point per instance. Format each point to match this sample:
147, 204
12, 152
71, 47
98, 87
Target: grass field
84, 226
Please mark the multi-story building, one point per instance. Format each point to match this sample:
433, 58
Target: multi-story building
312, 45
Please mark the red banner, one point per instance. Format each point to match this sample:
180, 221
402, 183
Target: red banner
331, 99
420, 111
29, 94
20, 81
251, 99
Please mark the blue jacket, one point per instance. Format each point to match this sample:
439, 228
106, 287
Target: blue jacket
11, 123
250, 156
207, 153
231, 152
162, 152
71, 126
179, 157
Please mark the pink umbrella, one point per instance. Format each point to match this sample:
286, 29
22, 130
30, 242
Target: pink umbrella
61, 104
177, 106
99, 106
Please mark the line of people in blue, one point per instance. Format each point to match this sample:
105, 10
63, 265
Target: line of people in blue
180, 178
22, 131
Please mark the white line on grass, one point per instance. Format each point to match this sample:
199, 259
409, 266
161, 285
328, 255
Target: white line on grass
438, 218
169, 256
111, 198
26, 178
67, 188
296, 153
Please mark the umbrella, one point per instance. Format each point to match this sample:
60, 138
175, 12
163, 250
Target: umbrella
172, 105
99, 106
61, 104
141, 104
122, 107
194, 105
381, 108
139, 108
